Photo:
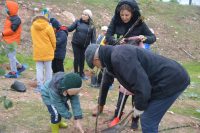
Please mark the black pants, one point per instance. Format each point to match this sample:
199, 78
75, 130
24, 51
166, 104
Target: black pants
119, 102
57, 65
99, 77
79, 59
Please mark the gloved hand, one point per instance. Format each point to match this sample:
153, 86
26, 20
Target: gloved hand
137, 112
78, 125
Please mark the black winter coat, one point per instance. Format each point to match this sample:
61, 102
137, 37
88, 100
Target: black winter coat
147, 75
119, 28
84, 34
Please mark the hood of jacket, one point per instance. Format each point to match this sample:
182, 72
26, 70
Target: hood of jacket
105, 56
136, 11
40, 23
54, 84
12, 8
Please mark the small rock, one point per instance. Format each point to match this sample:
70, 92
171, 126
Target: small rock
171, 112
36, 9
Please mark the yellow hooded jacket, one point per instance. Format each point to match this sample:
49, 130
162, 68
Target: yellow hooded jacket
43, 39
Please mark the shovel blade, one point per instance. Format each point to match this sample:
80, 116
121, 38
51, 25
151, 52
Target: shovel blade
114, 122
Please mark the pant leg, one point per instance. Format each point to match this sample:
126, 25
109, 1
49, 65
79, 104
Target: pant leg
99, 77
60, 65
55, 116
152, 116
18, 64
76, 52
12, 60
40, 72
119, 102
54, 65
48, 70
133, 118
82, 61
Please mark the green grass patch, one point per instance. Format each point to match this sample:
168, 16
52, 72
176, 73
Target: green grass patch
193, 69
31, 116
68, 63
102, 3
191, 97
28, 60
186, 111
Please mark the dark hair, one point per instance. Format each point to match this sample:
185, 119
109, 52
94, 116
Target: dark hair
126, 7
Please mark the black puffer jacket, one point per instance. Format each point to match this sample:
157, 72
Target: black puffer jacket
119, 28
84, 35
147, 75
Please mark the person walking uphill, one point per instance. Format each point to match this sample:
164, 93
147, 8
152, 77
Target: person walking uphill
55, 94
155, 80
84, 35
126, 14
44, 45
11, 35
61, 43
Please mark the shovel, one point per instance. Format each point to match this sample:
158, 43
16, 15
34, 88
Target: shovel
117, 119
120, 126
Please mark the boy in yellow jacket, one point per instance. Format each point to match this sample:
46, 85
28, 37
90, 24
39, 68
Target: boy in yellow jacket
44, 44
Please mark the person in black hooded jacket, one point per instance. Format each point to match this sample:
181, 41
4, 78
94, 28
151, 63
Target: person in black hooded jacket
61, 43
84, 35
155, 80
126, 14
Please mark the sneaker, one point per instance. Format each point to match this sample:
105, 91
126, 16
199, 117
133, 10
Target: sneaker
20, 70
37, 89
11, 75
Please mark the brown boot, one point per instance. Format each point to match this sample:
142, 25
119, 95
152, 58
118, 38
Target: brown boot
95, 111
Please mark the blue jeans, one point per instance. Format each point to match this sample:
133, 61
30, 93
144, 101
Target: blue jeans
13, 60
152, 116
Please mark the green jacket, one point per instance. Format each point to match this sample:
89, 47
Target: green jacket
52, 95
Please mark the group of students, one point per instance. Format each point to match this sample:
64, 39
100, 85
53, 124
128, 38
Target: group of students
154, 81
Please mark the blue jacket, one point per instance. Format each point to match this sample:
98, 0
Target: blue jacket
61, 39
61, 44
52, 95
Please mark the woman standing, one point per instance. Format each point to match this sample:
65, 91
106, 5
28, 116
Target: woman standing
126, 14
85, 33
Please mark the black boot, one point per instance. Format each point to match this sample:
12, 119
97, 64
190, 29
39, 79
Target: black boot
134, 124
